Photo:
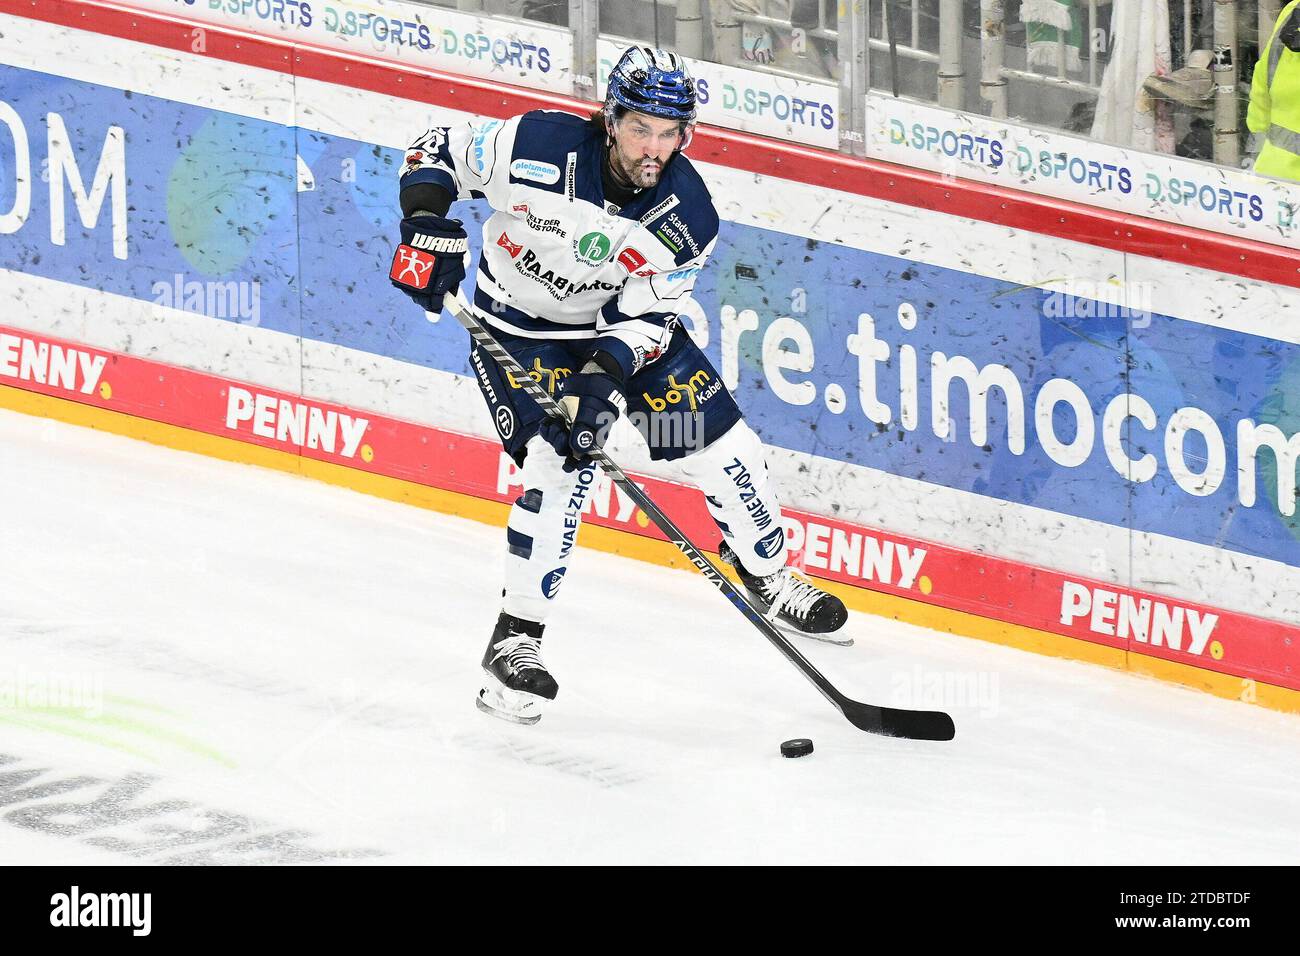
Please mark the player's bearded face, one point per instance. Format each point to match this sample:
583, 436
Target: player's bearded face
642, 147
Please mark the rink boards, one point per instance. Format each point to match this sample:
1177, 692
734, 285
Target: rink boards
1093, 434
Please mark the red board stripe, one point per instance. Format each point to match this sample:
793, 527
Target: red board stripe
896, 184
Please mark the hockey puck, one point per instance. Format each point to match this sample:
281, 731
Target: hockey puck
799, 747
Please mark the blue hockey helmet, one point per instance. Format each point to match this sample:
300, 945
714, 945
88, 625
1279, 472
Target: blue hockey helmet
656, 82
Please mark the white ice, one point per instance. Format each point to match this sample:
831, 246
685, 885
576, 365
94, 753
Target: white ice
259, 667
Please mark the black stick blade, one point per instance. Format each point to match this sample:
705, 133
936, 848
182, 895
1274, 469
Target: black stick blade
891, 722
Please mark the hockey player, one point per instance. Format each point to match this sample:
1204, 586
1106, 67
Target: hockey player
599, 229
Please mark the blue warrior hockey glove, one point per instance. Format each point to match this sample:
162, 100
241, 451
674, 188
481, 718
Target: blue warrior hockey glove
430, 261
592, 400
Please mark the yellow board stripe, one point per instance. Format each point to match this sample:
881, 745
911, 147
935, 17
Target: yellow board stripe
644, 549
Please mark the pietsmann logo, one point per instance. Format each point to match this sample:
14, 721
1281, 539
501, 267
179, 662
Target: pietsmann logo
535, 171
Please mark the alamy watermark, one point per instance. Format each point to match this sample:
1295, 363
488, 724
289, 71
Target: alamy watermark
24, 693
920, 689
240, 301
658, 429
1089, 299
670, 430
78, 908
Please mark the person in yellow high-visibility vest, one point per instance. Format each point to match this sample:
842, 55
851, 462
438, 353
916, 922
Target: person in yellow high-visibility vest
1275, 99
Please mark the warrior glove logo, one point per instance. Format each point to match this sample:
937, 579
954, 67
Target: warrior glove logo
411, 267
442, 244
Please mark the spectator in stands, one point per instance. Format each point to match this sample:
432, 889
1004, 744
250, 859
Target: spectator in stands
792, 48
544, 11
1275, 99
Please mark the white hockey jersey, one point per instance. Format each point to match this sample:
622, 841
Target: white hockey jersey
559, 261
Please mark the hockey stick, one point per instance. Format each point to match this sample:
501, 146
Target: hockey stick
890, 721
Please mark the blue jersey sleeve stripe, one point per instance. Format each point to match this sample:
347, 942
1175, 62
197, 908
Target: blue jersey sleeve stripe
612, 316
620, 351
439, 177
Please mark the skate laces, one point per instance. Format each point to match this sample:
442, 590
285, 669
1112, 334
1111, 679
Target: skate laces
520, 651
794, 595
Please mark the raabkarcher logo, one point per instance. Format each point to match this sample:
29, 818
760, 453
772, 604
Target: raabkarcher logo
561, 287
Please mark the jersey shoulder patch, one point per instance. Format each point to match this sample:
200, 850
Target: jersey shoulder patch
683, 220
543, 142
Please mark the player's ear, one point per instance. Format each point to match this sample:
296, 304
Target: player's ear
688, 130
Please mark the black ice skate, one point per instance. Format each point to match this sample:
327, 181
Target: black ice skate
517, 684
802, 607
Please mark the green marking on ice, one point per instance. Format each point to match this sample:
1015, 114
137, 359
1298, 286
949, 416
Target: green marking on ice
168, 736
76, 732
79, 720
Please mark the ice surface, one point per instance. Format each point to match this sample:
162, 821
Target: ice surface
208, 662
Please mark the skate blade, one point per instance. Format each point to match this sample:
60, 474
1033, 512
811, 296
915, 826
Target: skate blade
837, 638
500, 701
505, 715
